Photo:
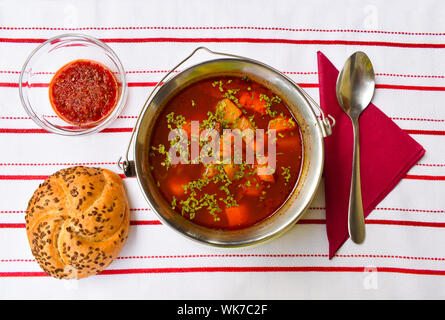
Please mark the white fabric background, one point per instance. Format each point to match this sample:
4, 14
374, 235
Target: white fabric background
397, 261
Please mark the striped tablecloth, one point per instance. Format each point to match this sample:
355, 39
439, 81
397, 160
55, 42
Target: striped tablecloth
404, 253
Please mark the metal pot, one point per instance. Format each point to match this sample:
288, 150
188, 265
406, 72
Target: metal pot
313, 129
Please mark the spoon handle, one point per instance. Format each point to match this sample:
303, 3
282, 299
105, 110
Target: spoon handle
356, 218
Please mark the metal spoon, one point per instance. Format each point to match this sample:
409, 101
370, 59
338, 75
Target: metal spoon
355, 89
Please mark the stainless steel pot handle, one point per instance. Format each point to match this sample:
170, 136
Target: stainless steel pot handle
127, 166
327, 122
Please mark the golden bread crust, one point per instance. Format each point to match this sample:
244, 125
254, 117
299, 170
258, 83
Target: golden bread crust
77, 221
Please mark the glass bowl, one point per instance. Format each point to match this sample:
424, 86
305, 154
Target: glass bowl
44, 62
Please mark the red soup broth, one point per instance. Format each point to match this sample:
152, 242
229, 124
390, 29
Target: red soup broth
83, 92
226, 196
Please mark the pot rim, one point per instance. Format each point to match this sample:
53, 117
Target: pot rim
280, 228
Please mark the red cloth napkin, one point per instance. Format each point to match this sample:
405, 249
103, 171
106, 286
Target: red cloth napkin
386, 155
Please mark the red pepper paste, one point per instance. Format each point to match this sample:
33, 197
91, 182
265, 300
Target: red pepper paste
83, 92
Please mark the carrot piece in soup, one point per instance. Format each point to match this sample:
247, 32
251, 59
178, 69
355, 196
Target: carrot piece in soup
211, 170
176, 187
243, 123
245, 99
237, 216
264, 176
251, 187
253, 101
230, 111
231, 170
267, 178
282, 123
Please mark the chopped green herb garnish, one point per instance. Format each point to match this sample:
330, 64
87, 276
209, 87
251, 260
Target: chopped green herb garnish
286, 173
192, 205
177, 120
163, 151
173, 204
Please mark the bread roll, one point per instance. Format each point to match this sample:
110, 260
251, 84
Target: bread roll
77, 221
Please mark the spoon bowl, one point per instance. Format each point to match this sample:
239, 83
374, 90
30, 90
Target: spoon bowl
356, 84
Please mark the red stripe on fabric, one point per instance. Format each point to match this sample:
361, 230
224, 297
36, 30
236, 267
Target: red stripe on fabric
130, 84
407, 223
256, 28
58, 164
43, 177
9, 84
142, 84
424, 177
303, 85
22, 274
410, 210
14, 130
384, 222
125, 130
270, 269
45, 85
393, 209
243, 269
406, 87
17, 260
308, 85
22, 40
262, 255
135, 117
265, 255
311, 208
92, 163
399, 75
249, 40
395, 75
35, 177
418, 119
132, 223
35, 130
280, 41
426, 132
145, 222
430, 164
23, 177
116, 130
228, 28
12, 225
301, 222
